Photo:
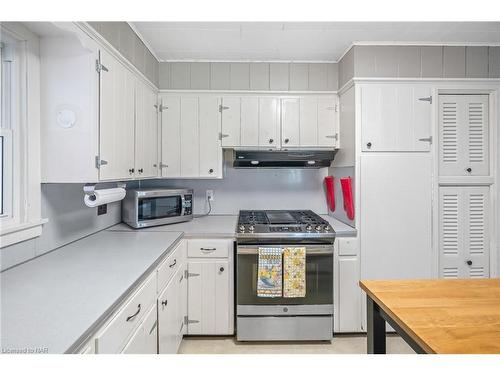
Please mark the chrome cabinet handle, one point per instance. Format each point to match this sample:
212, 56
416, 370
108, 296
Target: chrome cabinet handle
208, 248
173, 264
136, 313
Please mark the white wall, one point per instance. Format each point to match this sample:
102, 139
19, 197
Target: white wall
257, 189
69, 220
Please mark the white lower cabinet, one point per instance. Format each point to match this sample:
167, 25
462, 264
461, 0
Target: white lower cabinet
144, 340
464, 233
168, 318
210, 288
347, 294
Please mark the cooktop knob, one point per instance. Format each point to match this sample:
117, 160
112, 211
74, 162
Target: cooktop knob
308, 227
318, 227
251, 227
326, 228
241, 228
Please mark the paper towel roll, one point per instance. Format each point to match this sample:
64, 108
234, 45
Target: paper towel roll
104, 196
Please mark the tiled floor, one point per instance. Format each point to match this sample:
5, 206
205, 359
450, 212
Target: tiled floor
341, 344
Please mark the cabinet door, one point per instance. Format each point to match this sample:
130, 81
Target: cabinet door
230, 123
182, 300
146, 132
327, 123
168, 318
145, 339
171, 136
349, 299
210, 147
290, 122
249, 121
268, 122
190, 137
308, 122
463, 135
208, 297
116, 125
395, 215
464, 231
395, 118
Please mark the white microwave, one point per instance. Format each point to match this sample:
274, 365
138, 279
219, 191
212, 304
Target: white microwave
150, 207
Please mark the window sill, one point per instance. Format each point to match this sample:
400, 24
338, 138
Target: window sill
20, 232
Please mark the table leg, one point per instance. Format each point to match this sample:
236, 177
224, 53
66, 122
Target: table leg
375, 328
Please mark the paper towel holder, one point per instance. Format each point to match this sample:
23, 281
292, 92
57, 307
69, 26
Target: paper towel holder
89, 189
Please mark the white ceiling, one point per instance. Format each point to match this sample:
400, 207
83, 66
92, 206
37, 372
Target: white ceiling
297, 41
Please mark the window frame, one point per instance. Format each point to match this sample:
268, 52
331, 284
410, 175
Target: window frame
23, 219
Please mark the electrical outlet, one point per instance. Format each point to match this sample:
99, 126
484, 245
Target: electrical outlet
210, 195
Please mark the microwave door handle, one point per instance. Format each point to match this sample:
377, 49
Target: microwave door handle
183, 204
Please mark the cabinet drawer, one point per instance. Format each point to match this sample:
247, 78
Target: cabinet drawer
209, 248
144, 340
112, 338
170, 265
347, 246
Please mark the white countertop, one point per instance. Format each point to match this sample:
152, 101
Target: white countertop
222, 226
57, 300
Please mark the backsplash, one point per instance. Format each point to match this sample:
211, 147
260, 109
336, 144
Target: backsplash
69, 220
257, 189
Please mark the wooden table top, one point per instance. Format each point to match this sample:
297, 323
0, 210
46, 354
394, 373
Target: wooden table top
443, 316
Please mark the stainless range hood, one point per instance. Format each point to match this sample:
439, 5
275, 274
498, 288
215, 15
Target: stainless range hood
283, 159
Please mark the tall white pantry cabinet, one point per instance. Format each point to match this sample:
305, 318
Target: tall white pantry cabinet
425, 166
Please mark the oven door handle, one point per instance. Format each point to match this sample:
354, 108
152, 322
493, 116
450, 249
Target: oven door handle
310, 250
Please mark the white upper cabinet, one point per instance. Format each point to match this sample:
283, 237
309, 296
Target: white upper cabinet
231, 121
463, 135
116, 127
190, 137
464, 239
290, 122
210, 147
98, 120
309, 122
146, 131
395, 117
170, 136
268, 122
280, 122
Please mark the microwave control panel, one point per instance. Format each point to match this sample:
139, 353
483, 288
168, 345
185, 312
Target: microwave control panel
188, 204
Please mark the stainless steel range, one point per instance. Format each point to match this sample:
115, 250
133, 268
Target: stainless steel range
280, 318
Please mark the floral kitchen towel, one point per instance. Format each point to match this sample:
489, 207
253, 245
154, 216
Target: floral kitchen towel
269, 282
294, 275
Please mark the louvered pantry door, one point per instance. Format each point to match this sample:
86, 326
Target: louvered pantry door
464, 231
463, 135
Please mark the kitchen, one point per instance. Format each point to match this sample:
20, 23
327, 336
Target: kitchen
187, 187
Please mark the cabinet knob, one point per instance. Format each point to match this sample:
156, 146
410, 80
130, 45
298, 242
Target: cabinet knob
469, 262
369, 145
140, 170
271, 140
131, 170
469, 170
287, 140
221, 269
164, 303
210, 170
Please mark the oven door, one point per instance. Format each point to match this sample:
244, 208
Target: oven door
319, 284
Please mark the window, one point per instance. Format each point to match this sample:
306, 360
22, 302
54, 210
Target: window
6, 161
19, 135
